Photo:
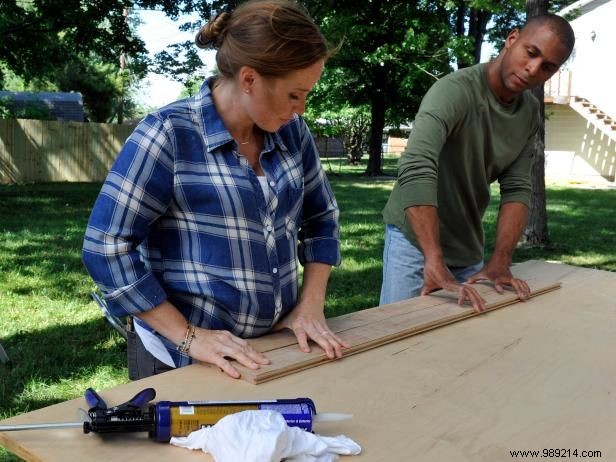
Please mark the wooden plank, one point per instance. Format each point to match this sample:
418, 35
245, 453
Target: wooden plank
377, 326
361, 318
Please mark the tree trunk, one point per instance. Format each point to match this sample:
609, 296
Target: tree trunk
120, 110
477, 24
377, 124
480, 25
536, 232
460, 18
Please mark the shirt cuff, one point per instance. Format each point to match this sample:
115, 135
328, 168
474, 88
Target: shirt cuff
321, 250
141, 296
522, 197
411, 194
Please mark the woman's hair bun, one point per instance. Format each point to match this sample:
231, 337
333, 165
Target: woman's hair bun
212, 34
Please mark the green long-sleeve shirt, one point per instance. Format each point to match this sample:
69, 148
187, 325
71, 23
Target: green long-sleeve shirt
464, 139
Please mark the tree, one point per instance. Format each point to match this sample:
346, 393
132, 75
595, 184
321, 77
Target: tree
39, 36
391, 52
350, 124
536, 232
71, 45
470, 21
191, 86
180, 61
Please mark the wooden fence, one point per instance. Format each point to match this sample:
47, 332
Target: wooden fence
42, 150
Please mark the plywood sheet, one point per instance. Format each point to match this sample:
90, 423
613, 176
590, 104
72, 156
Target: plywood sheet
377, 326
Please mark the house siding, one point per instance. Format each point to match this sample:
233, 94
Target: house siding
592, 61
575, 148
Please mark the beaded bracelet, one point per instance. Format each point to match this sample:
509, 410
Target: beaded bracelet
184, 346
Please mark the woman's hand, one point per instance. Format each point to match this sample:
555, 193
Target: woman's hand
307, 321
215, 346
207, 346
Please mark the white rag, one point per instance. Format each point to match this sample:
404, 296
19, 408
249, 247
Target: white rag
259, 436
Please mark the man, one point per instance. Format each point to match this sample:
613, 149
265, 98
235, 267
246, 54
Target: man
474, 126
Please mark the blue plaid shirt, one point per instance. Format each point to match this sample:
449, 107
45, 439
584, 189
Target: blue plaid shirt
182, 216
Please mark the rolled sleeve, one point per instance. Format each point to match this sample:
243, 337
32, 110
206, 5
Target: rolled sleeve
143, 295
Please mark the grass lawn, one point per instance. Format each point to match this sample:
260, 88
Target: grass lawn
59, 343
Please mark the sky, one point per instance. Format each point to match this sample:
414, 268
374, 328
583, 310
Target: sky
158, 31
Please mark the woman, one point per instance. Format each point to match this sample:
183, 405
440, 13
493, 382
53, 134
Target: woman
195, 232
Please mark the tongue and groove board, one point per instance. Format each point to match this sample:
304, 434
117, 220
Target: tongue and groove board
374, 327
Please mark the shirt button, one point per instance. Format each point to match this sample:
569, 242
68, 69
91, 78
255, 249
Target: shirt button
275, 270
272, 183
268, 227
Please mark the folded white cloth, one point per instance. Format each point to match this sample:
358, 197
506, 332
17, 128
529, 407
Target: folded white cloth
261, 436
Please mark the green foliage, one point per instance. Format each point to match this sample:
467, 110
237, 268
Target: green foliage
40, 36
398, 132
391, 52
100, 84
175, 8
350, 124
180, 60
70, 45
75, 45
192, 86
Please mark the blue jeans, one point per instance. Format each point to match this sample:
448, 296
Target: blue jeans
403, 268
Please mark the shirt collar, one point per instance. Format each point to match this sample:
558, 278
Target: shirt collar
215, 133
214, 130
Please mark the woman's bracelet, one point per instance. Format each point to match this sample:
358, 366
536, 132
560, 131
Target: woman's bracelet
188, 338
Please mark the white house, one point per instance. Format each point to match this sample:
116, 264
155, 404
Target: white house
580, 131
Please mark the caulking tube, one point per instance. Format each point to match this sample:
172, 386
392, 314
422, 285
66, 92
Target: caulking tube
183, 417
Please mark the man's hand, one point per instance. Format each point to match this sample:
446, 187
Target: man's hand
215, 346
501, 276
424, 221
307, 321
438, 276
512, 219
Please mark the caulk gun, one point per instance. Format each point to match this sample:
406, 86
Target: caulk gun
165, 419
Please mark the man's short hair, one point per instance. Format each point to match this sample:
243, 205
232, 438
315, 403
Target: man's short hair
559, 25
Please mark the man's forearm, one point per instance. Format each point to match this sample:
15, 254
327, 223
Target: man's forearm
425, 224
512, 219
424, 221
